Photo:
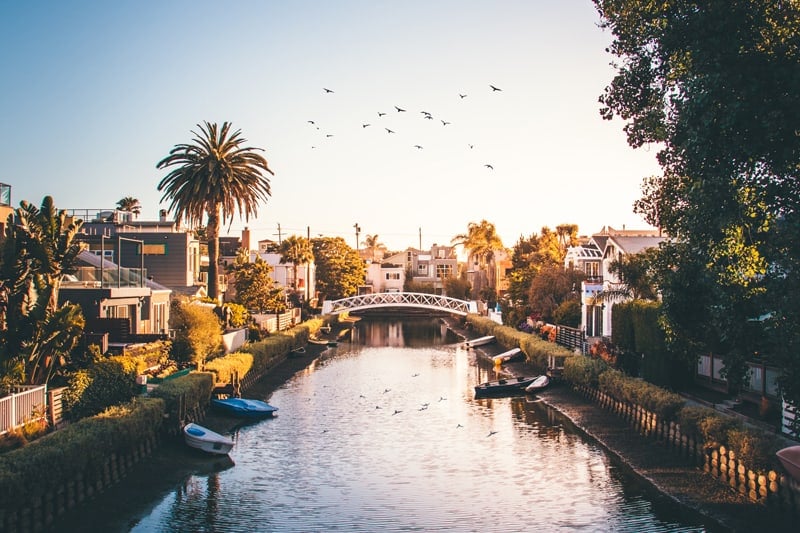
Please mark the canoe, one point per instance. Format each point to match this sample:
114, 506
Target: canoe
244, 408
480, 341
507, 356
540, 383
504, 386
205, 440
790, 459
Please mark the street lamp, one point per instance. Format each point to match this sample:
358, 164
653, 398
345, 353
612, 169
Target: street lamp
358, 230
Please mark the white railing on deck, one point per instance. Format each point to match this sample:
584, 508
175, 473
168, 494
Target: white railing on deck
25, 405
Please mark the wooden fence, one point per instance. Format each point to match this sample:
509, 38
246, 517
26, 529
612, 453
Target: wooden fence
25, 404
769, 488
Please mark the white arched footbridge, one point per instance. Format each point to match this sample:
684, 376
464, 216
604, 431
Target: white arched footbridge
399, 299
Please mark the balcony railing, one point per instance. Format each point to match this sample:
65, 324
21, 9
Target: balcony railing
106, 278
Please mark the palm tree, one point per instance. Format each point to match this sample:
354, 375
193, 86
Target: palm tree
215, 177
38, 250
297, 251
130, 204
373, 245
481, 242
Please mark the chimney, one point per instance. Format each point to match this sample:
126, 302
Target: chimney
246, 239
162, 215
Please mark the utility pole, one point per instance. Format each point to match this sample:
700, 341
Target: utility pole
308, 267
358, 230
279, 233
420, 238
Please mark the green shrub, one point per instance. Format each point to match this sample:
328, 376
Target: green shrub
80, 449
192, 390
108, 382
754, 448
198, 333
584, 371
225, 367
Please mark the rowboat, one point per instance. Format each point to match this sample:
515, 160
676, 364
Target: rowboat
244, 408
790, 459
540, 383
480, 341
507, 356
504, 386
206, 440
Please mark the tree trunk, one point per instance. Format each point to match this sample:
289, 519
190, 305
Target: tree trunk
212, 233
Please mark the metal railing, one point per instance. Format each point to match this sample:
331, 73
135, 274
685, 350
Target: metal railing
400, 299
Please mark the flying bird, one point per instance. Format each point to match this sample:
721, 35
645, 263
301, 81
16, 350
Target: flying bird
396, 411
491, 433
490, 167
425, 113
380, 114
459, 426
429, 117
495, 88
327, 90
462, 95
311, 122
399, 109
418, 147
329, 135
471, 146
445, 123
388, 130
364, 125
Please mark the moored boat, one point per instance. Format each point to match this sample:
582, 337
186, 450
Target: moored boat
504, 386
244, 407
540, 383
790, 459
205, 440
507, 356
480, 341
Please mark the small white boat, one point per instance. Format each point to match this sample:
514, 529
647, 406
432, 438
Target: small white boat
538, 384
206, 440
480, 341
790, 459
507, 356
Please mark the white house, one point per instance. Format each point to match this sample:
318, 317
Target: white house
610, 245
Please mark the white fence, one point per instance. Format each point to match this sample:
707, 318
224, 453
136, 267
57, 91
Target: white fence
28, 403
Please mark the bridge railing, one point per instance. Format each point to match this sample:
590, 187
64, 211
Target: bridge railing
399, 299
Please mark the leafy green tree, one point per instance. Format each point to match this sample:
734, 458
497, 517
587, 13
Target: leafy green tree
340, 270
131, 204
198, 332
635, 276
255, 288
36, 333
552, 286
715, 86
297, 251
214, 177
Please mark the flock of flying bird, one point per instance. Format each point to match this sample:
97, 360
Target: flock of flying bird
422, 407
425, 115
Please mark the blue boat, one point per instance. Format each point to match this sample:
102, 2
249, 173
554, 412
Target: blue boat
244, 408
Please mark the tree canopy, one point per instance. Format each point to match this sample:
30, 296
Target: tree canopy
340, 270
715, 85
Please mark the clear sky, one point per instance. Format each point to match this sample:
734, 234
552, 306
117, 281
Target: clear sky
94, 94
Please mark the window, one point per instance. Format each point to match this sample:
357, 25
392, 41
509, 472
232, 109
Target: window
155, 249
393, 276
444, 271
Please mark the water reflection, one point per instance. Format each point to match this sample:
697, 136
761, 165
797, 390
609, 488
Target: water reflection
376, 437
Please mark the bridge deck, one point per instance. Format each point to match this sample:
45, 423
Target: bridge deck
400, 299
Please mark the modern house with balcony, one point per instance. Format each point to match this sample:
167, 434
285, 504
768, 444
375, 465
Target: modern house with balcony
430, 267
170, 255
120, 305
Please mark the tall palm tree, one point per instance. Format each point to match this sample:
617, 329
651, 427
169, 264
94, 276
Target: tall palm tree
481, 242
373, 245
215, 176
131, 204
297, 251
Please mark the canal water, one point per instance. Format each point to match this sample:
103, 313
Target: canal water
383, 433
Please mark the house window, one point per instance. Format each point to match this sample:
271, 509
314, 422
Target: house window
393, 276
444, 271
155, 249
422, 268
592, 269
